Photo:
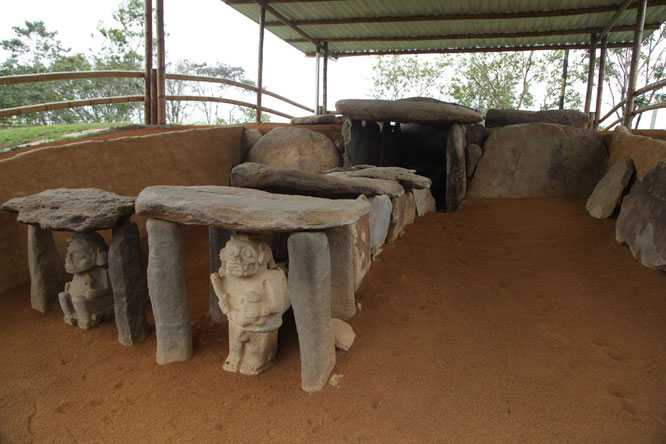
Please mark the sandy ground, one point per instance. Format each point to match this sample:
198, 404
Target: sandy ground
509, 321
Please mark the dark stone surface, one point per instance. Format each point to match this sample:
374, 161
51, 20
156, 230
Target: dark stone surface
477, 134
72, 209
608, 193
47, 276
503, 117
130, 291
456, 176
642, 220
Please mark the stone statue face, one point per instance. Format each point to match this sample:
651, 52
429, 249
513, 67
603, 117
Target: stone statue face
242, 256
85, 251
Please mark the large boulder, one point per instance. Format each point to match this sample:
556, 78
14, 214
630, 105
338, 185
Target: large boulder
504, 117
608, 192
249, 139
408, 111
298, 148
642, 220
539, 159
291, 181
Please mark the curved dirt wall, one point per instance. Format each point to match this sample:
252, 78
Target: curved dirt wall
124, 166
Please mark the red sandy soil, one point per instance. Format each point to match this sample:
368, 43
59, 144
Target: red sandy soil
509, 321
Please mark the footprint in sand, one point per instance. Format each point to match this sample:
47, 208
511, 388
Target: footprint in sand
624, 396
612, 352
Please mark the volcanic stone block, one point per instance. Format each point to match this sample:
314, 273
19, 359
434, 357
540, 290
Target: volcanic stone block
417, 111
362, 257
642, 220
168, 294
380, 218
503, 117
341, 246
128, 281
398, 218
47, 277
608, 192
217, 239
407, 178
361, 141
477, 135
456, 175
423, 200
473, 153
310, 290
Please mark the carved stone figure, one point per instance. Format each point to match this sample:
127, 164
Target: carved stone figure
88, 299
253, 293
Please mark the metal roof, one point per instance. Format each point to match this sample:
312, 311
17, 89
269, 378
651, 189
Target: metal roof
367, 27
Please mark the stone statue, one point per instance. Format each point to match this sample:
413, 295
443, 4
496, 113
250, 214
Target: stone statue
253, 293
88, 299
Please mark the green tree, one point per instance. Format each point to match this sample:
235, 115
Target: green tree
397, 77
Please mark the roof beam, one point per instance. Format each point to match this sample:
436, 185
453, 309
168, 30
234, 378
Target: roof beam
505, 35
247, 2
474, 50
475, 16
613, 19
286, 21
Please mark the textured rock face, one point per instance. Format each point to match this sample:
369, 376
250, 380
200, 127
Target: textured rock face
539, 159
317, 120
403, 214
406, 178
298, 148
244, 209
408, 111
310, 289
477, 135
344, 335
608, 192
380, 218
642, 220
423, 200
503, 117
291, 181
362, 257
47, 277
65, 209
249, 139
473, 154
456, 176
341, 247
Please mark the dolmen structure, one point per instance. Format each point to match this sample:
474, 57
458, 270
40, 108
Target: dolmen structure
102, 285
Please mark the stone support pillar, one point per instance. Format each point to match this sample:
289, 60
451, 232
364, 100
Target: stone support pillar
128, 281
341, 247
47, 277
310, 290
168, 294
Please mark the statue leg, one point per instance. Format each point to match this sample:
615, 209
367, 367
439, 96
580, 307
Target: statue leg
82, 313
67, 308
259, 352
235, 348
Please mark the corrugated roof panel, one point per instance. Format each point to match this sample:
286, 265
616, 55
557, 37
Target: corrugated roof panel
377, 36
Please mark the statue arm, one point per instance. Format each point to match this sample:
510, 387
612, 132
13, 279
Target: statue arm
222, 296
278, 293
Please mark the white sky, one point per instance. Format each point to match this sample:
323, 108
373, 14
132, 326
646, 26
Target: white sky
210, 31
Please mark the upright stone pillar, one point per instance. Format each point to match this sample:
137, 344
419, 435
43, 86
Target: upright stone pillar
128, 281
310, 290
341, 247
217, 239
355, 143
168, 294
47, 277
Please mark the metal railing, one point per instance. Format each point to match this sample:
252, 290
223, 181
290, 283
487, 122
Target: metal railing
74, 75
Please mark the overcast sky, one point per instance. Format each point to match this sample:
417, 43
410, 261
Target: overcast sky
210, 31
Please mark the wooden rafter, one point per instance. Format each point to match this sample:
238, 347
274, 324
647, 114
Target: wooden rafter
504, 35
474, 50
469, 16
248, 2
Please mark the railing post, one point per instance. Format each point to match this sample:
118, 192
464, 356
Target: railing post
161, 65
635, 55
317, 57
600, 84
590, 73
325, 80
153, 96
260, 68
148, 27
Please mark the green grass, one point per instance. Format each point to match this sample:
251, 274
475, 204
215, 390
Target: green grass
13, 138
